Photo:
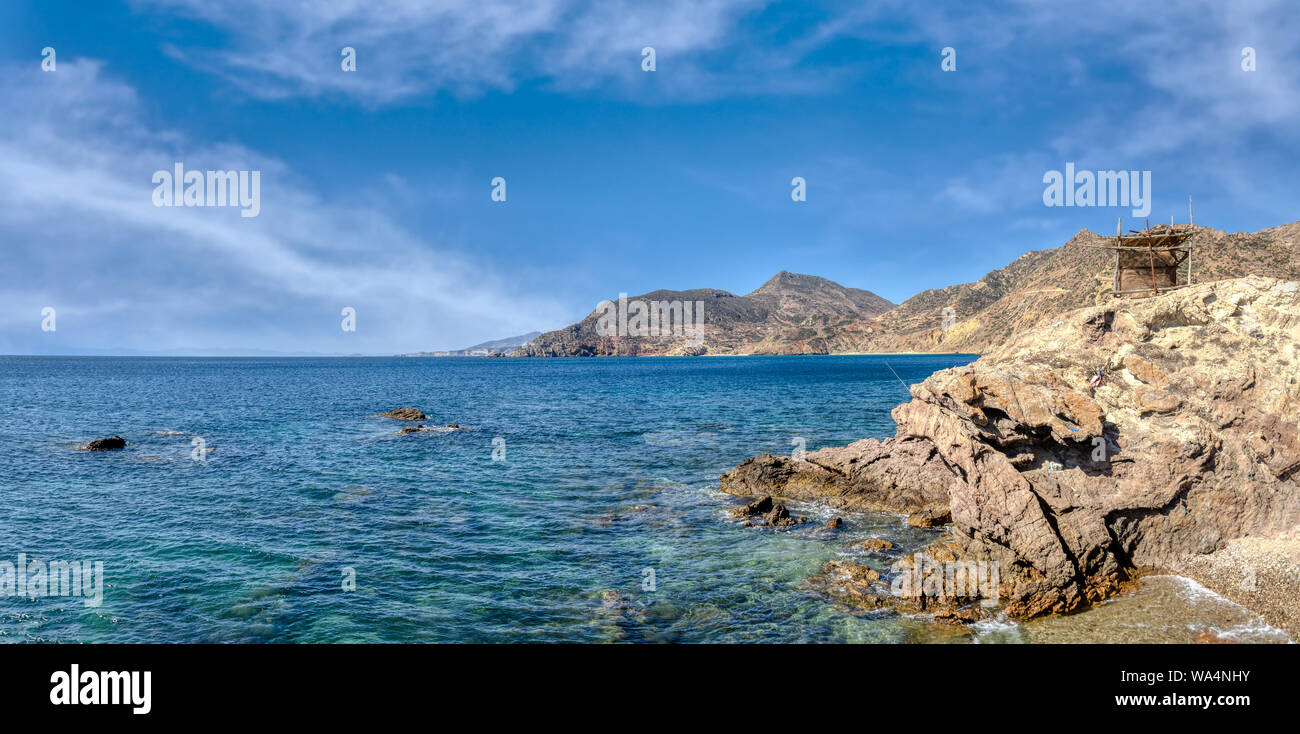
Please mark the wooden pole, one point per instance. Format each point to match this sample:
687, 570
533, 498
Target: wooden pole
1151, 253
1119, 228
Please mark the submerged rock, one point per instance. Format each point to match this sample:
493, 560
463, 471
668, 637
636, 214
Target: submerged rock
405, 414
864, 589
106, 444
421, 428
852, 584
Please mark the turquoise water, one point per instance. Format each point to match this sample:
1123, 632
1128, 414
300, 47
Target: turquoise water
610, 469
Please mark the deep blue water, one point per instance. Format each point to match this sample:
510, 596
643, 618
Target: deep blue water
610, 469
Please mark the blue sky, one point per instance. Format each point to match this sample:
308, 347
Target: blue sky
375, 184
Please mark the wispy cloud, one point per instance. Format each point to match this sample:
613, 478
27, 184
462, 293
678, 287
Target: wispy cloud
77, 155
407, 48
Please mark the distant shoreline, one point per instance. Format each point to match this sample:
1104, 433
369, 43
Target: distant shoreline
832, 354
425, 356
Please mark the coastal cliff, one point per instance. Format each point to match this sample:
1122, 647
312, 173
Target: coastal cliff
1075, 484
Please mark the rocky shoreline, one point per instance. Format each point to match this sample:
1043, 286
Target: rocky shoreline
1138, 436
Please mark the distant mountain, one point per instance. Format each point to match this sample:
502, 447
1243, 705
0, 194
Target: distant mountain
789, 314
804, 314
486, 349
498, 345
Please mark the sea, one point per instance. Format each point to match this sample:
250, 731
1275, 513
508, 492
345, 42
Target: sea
263, 500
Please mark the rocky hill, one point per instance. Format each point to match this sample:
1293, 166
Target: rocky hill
1074, 485
804, 314
1042, 284
789, 314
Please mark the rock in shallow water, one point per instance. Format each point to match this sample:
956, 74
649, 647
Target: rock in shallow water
405, 414
774, 514
106, 444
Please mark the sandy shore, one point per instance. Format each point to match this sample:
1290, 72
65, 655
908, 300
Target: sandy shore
1261, 574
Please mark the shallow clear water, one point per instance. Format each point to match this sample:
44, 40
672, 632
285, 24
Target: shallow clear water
610, 469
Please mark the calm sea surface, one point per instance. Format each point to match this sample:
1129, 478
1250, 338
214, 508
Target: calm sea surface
609, 471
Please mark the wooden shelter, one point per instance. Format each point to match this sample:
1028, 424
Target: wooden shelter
1153, 260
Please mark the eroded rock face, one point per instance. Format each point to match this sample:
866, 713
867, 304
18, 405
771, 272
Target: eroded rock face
1190, 441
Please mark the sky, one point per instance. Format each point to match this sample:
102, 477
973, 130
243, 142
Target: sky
376, 189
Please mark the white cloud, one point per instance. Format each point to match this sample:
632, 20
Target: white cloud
76, 159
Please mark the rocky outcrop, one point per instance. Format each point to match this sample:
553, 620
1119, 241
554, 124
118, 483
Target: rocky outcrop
902, 475
106, 444
1190, 440
405, 414
1042, 285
